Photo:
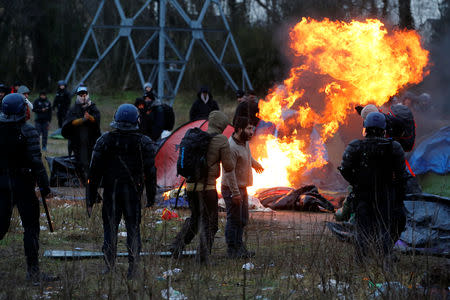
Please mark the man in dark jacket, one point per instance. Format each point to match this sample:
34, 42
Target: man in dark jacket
152, 119
247, 108
43, 116
61, 102
148, 91
123, 160
203, 198
375, 167
204, 104
82, 128
20, 169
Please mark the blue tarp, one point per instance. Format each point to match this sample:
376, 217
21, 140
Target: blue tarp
433, 154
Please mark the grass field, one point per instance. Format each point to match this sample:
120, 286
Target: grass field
297, 257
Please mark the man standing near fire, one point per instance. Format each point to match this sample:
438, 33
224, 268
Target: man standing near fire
375, 167
237, 207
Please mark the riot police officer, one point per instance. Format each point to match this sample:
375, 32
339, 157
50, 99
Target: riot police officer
20, 168
375, 167
124, 160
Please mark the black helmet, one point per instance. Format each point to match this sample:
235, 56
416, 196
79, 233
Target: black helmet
14, 108
375, 119
61, 82
126, 118
3, 88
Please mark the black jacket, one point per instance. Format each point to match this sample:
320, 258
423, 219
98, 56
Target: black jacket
376, 169
200, 110
152, 120
20, 154
123, 156
72, 131
249, 109
62, 100
43, 110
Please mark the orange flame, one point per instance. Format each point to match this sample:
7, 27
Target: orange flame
338, 65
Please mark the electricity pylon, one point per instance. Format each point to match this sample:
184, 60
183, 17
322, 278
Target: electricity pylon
166, 86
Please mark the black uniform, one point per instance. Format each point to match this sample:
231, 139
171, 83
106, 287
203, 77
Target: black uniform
375, 167
62, 103
43, 116
82, 134
125, 162
152, 120
200, 110
20, 168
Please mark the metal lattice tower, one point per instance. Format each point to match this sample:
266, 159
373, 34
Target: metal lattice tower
167, 86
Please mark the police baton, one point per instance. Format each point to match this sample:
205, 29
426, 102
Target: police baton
47, 214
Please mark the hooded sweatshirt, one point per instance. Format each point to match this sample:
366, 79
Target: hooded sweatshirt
218, 152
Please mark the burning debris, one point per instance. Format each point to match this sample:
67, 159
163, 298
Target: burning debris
337, 65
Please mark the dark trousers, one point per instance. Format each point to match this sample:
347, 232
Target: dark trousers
42, 128
121, 199
204, 215
377, 232
237, 217
61, 116
82, 155
20, 192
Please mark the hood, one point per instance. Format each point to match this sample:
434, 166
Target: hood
147, 84
218, 121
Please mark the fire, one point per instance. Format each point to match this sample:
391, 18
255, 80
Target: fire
337, 66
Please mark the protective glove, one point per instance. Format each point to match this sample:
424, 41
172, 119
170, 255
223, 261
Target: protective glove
45, 191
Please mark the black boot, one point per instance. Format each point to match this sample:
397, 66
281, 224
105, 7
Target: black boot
178, 243
132, 271
242, 252
176, 248
37, 277
109, 265
231, 252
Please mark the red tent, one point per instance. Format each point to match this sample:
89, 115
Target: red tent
167, 155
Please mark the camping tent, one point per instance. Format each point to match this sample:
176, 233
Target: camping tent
433, 154
167, 155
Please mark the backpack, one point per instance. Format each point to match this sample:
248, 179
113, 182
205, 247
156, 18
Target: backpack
191, 163
169, 117
401, 127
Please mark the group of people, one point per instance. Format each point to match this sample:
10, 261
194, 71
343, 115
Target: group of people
122, 161
41, 106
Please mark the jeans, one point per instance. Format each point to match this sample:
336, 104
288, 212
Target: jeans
42, 128
237, 217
